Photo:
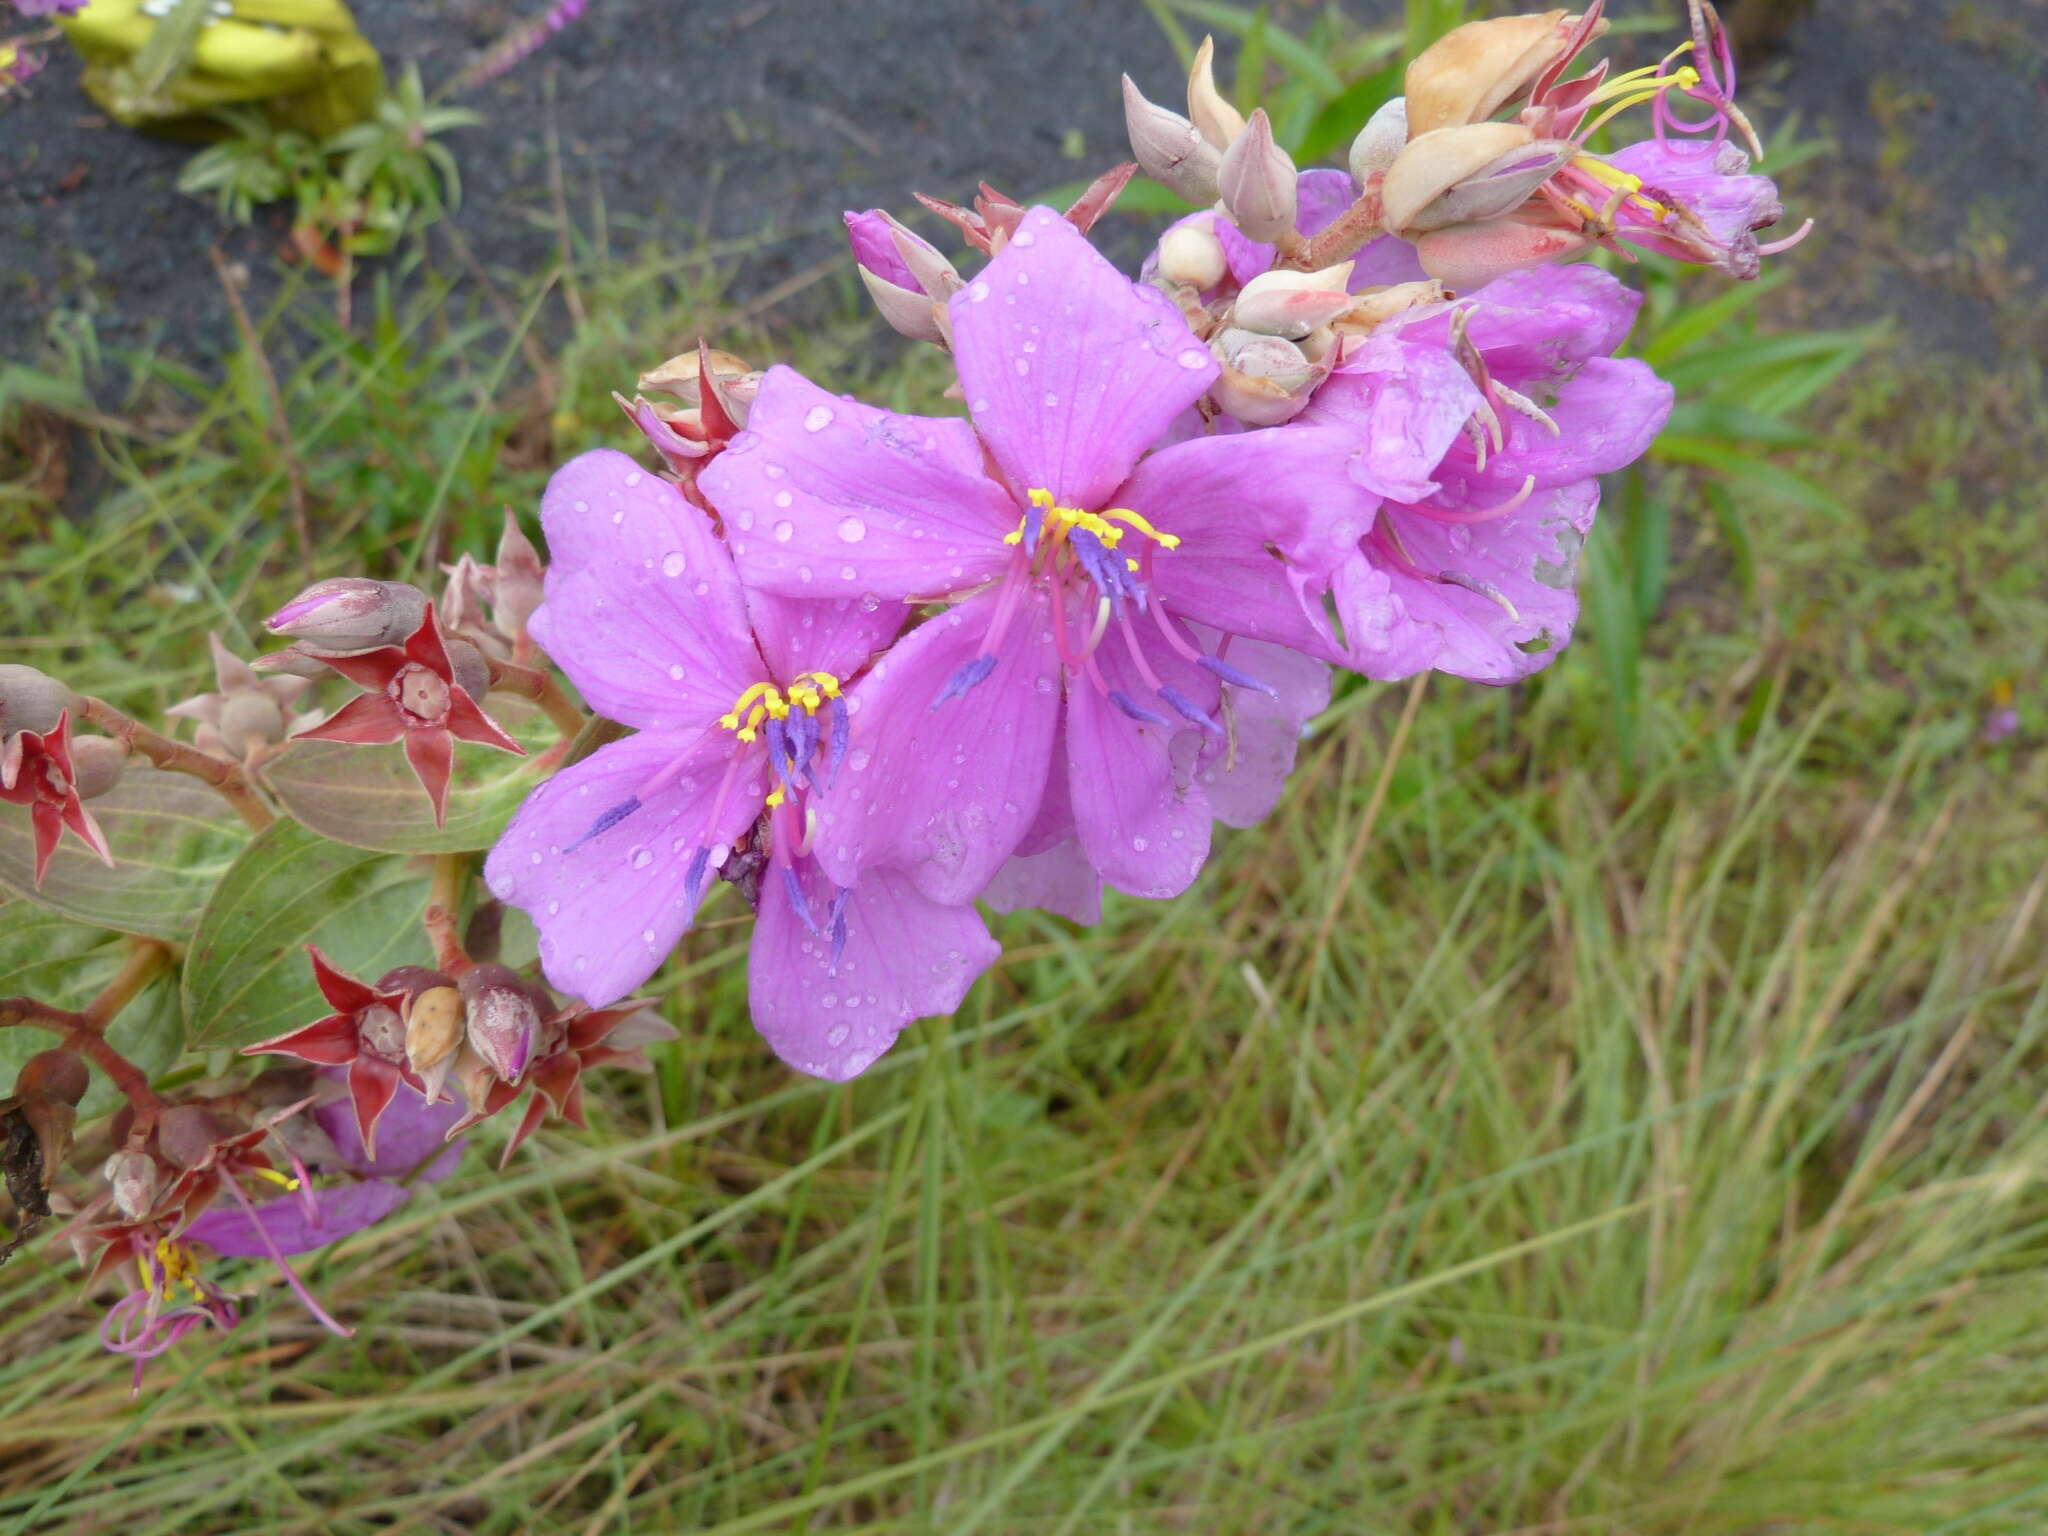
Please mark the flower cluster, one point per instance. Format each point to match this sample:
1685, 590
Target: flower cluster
881, 667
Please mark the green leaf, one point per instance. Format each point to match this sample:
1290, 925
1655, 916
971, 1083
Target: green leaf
369, 796
246, 973
172, 838
1337, 124
169, 45
57, 961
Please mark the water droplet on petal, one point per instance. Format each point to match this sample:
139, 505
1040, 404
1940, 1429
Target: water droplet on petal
976, 292
1139, 844
675, 672
818, 418
634, 478
784, 531
642, 857
783, 498
672, 563
1194, 357
852, 529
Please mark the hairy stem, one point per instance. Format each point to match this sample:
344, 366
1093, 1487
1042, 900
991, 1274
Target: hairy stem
539, 685
224, 777
444, 912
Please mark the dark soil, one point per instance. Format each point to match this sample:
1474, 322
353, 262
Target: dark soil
766, 117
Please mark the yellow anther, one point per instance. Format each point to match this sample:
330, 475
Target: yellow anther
775, 798
1061, 521
764, 701
1126, 515
283, 1179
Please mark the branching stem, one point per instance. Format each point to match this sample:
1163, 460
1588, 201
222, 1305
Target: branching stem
225, 778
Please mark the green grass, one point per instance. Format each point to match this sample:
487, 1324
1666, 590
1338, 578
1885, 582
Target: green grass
1513, 1135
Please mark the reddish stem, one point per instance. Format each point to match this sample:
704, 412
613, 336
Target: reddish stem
224, 777
539, 685
84, 1030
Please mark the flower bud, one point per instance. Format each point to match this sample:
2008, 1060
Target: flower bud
351, 613
1214, 117
1169, 148
185, 1133
682, 375
1190, 255
1257, 181
1435, 163
30, 701
502, 1019
521, 579
875, 248
472, 672
907, 312
1382, 138
1265, 380
131, 1178
1467, 256
1472, 71
433, 1018
1377, 305
1292, 304
96, 764
58, 1074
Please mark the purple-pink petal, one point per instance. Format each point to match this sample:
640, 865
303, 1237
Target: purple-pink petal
1071, 371
824, 497
836, 635
1243, 779
1405, 405
945, 790
1059, 880
410, 1132
601, 855
642, 611
1607, 415
1540, 323
904, 956
338, 1210
874, 247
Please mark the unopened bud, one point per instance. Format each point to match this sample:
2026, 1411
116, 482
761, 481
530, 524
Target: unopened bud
96, 764
185, 1133
1169, 148
1435, 163
502, 1018
1265, 380
1472, 71
1291, 304
1468, 256
351, 613
521, 579
871, 233
30, 700
1190, 255
131, 1179
1257, 181
250, 720
1214, 117
472, 672
1377, 305
433, 1015
1383, 137
59, 1075
682, 375
908, 313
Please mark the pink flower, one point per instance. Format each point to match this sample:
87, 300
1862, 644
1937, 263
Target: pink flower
1093, 593
739, 700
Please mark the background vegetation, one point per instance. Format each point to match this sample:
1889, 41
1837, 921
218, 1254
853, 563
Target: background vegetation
1608, 1105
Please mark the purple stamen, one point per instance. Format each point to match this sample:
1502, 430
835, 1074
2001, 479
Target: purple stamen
967, 677
290, 1275
842, 731
1135, 710
1189, 709
693, 877
794, 890
1230, 674
782, 754
607, 821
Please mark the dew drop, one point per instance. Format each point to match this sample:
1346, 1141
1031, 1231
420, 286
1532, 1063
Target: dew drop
534, 857
772, 471
646, 935
783, 498
634, 478
672, 563
847, 573
1139, 844
784, 531
818, 418
675, 672
642, 857
859, 758
852, 529
1023, 237
1023, 367
1051, 399
582, 506
554, 907
1194, 357
976, 292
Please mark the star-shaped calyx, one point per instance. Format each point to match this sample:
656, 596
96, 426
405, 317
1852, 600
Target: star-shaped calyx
415, 696
38, 769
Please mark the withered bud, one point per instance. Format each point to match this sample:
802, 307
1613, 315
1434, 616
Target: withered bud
1435, 162
1214, 117
351, 613
1169, 148
1292, 304
1377, 305
907, 313
1472, 71
132, 1180
58, 1075
1191, 256
1257, 181
31, 700
521, 578
433, 1017
502, 1018
1382, 138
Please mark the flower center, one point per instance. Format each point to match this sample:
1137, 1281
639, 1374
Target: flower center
808, 692
381, 1032
1052, 527
788, 717
422, 693
174, 1267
